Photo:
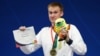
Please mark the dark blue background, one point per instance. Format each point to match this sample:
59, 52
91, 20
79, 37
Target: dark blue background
85, 14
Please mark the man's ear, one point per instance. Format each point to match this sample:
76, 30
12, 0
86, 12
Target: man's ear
62, 13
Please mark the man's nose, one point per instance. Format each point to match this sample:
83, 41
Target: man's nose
52, 14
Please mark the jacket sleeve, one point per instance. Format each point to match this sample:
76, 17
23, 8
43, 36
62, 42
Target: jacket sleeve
28, 49
78, 45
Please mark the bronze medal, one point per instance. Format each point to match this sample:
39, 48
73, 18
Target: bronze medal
53, 52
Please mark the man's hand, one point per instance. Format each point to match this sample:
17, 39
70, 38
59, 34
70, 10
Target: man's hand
63, 34
35, 41
22, 28
18, 45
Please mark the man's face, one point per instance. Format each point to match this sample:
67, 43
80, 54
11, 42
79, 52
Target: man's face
54, 13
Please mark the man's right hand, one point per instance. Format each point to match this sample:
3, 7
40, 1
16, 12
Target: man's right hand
22, 28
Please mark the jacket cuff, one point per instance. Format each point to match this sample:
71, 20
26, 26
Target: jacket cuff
69, 42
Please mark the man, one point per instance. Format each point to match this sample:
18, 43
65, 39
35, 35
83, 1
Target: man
46, 37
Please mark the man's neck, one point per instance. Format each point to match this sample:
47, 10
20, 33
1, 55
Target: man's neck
52, 24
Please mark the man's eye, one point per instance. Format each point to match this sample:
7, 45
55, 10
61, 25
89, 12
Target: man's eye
50, 12
55, 12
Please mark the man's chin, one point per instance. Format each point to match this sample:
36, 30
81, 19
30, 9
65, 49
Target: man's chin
53, 22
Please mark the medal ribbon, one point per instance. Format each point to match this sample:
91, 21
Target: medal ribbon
55, 40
